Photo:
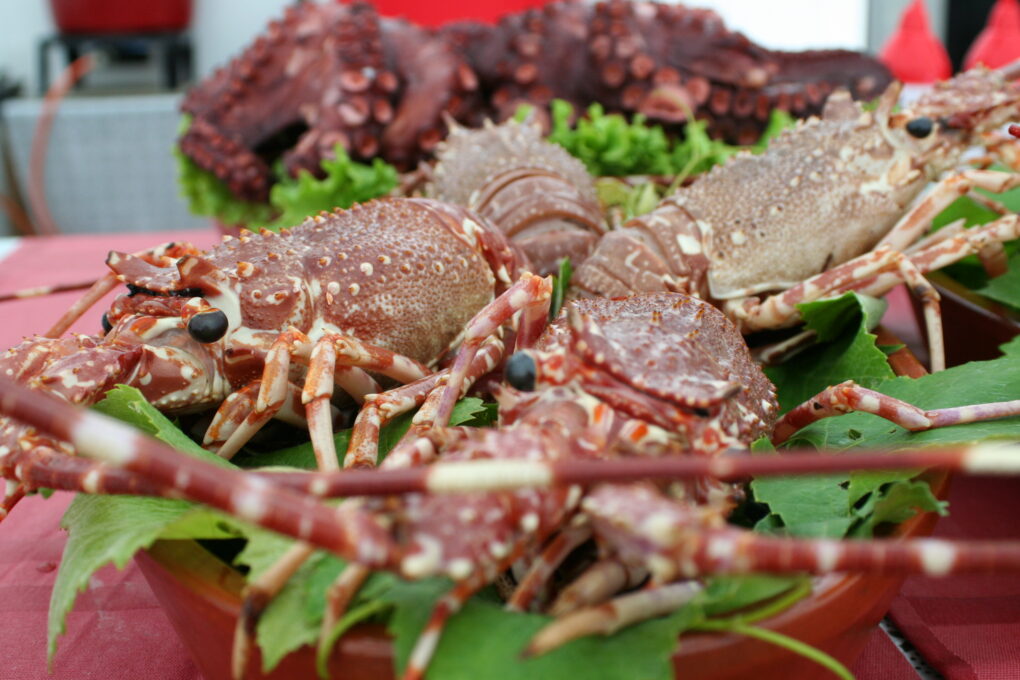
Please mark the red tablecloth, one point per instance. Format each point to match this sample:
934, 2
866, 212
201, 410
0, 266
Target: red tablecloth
966, 627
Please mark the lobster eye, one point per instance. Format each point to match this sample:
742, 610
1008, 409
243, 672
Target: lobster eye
208, 326
920, 127
107, 326
520, 371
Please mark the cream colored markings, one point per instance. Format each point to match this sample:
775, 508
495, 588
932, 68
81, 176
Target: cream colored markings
488, 475
105, 440
937, 557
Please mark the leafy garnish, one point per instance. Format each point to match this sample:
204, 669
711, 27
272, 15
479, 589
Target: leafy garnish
612, 145
560, 284
345, 184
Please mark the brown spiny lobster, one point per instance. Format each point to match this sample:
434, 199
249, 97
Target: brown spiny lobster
661, 381
386, 287
832, 205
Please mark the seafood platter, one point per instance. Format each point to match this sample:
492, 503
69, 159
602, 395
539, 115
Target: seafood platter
542, 347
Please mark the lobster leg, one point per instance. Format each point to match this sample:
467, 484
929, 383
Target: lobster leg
530, 295
941, 250
849, 396
607, 618
780, 309
447, 606
915, 222
379, 409
361, 453
322, 357
600, 582
545, 564
237, 419
676, 541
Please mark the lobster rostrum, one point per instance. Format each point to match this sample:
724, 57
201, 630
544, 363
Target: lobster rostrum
832, 205
386, 288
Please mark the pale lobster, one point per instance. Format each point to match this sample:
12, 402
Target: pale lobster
830, 206
648, 378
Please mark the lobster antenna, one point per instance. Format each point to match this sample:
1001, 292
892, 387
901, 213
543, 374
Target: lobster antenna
251, 498
40, 291
98, 289
501, 475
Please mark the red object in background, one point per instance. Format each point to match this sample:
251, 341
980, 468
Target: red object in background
439, 13
120, 16
999, 42
914, 54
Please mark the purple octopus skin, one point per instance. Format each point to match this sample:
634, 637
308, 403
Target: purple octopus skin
331, 73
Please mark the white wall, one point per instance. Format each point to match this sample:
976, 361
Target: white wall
796, 24
22, 24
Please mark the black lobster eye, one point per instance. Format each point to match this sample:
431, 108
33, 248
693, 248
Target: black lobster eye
920, 127
107, 326
520, 371
208, 326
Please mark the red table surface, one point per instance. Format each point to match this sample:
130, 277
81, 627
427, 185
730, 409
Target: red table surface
967, 627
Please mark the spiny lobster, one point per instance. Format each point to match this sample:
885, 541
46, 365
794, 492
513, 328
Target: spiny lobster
385, 287
830, 206
650, 379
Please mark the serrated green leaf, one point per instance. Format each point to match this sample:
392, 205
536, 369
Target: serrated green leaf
724, 594
110, 530
1005, 289
344, 184
897, 503
484, 636
977, 382
809, 506
864, 482
850, 355
127, 404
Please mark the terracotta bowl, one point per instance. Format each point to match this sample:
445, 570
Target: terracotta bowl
201, 596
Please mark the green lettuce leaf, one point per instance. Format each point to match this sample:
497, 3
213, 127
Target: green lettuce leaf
344, 184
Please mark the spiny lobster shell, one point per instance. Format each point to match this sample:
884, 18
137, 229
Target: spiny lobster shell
402, 274
683, 348
538, 194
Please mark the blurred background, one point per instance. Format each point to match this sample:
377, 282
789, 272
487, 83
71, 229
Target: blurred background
108, 165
